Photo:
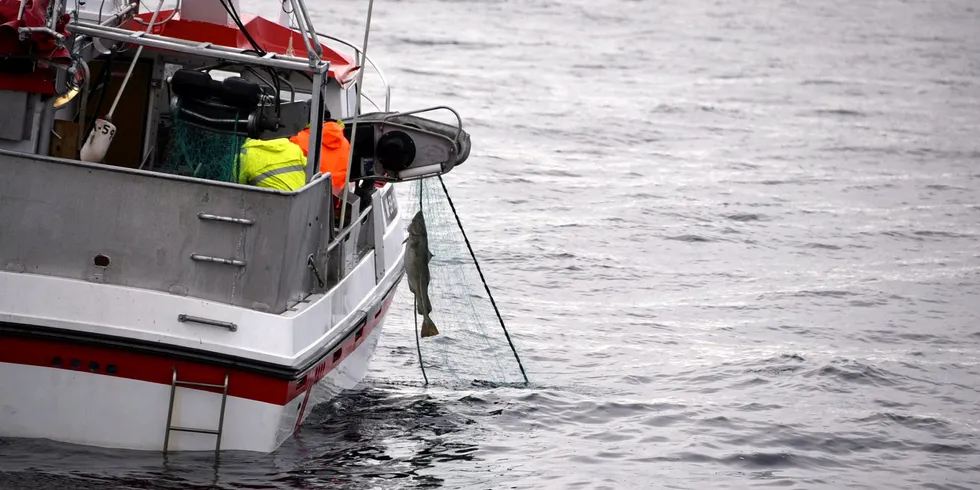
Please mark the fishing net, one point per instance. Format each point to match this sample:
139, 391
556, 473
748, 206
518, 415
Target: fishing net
197, 152
471, 347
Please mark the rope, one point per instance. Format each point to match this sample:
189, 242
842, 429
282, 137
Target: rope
418, 342
482, 279
132, 64
312, 265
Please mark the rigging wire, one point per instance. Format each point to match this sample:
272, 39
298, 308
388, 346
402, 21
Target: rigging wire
233, 13
357, 105
418, 344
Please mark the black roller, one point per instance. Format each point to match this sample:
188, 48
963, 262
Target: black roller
240, 93
235, 92
395, 151
193, 84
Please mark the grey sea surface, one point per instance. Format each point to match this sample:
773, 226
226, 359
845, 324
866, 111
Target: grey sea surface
737, 243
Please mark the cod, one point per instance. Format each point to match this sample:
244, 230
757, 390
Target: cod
417, 257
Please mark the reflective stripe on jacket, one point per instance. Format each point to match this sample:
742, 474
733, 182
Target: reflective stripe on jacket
274, 164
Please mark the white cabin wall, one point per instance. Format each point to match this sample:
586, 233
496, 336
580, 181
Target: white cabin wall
26, 121
334, 99
351, 100
210, 11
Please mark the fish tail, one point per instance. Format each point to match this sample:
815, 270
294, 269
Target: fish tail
428, 328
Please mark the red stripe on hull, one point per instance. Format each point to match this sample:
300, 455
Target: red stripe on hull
159, 369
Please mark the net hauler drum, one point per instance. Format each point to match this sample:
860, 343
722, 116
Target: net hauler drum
401, 146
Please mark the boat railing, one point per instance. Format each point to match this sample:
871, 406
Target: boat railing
272, 60
306, 28
116, 17
377, 69
347, 247
173, 14
198, 51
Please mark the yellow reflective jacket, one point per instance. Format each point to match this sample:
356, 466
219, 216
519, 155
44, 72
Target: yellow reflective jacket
274, 164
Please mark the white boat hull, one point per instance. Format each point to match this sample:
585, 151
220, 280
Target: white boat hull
94, 364
151, 301
97, 409
101, 410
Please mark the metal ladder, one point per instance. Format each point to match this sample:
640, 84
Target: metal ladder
221, 417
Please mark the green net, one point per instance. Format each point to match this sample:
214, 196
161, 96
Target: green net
471, 347
197, 152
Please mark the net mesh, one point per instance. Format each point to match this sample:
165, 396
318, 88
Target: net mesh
471, 347
197, 152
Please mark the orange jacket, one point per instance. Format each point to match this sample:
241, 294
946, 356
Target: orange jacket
334, 151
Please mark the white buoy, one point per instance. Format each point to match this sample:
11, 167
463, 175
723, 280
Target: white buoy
98, 141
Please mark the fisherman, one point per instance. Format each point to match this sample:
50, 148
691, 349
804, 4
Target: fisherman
334, 149
273, 164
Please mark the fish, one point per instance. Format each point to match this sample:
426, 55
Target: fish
417, 257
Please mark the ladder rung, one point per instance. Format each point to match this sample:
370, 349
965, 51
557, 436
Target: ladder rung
191, 429
204, 385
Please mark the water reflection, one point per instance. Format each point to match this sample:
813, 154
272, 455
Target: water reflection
378, 436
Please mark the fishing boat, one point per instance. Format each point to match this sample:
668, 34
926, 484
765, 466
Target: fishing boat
149, 300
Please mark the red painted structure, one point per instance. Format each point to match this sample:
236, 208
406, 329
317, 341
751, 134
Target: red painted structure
39, 51
38, 44
270, 36
157, 368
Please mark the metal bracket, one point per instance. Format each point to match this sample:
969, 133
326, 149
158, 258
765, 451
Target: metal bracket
459, 127
217, 260
226, 219
182, 318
